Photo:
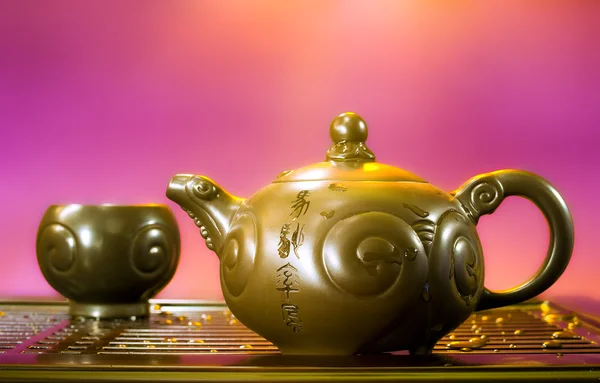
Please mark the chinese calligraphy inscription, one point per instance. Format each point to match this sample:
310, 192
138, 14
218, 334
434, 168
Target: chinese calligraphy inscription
300, 205
298, 238
284, 243
290, 316
288, 278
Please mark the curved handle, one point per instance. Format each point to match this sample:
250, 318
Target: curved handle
484, 193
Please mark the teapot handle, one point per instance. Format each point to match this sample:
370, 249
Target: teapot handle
482, 194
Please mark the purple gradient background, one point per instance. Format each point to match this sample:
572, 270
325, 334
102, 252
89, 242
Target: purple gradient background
103, 101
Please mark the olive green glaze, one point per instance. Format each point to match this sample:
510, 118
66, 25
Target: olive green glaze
353, 256
108, 260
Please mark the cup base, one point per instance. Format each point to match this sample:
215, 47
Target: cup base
109, 310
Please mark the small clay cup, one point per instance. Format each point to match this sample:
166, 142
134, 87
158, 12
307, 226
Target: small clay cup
108, 260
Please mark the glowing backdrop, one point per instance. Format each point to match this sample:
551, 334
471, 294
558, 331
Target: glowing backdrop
103, 101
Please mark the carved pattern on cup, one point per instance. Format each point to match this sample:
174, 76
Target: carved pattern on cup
151, 250
58, 245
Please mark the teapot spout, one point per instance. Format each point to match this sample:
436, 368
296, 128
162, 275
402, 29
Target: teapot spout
207, 203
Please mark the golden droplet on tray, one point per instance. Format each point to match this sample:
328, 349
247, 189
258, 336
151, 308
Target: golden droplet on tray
565, 335
552, 344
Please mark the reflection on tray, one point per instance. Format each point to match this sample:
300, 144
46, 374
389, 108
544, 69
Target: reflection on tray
204, 335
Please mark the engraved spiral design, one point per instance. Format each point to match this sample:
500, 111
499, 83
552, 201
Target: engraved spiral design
464, 259
204, 189
485, 197
239, 251
367, 253
456, 260
58, 245
151, 250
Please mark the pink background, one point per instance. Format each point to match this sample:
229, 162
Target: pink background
103, 101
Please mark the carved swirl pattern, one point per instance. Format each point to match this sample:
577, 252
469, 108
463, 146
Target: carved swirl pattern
58, 245
481, 196
485, 196
456, 258
239, 251
203, 232
425, 229
462, 268
204, 189
350, 151
151, 250
365, 254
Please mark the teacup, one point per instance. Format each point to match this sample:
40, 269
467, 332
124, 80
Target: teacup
108, 260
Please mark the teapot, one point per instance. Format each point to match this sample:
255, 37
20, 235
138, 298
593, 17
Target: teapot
352, 256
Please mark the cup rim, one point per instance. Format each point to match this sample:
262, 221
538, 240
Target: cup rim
108, 206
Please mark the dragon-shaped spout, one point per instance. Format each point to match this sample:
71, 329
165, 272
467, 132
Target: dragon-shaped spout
207, 203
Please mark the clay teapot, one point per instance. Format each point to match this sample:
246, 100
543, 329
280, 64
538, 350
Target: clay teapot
353, 256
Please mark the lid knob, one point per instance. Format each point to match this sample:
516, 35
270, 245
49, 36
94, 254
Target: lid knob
348, 127
349, 133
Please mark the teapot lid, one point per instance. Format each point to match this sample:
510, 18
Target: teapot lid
349, 159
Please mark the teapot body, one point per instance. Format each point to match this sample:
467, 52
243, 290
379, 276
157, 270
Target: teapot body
354, 256
322, 267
